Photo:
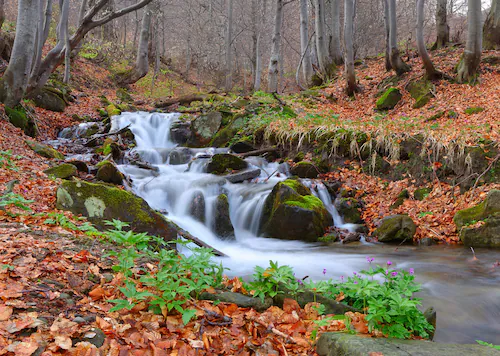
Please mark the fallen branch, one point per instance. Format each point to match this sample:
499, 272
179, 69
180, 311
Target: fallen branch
258, 152
183, 233
183, 100
492, 163
95, 137
274, 330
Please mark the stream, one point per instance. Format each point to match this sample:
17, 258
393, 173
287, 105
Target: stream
464, 291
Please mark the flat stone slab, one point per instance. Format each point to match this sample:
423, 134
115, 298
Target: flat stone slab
342, 344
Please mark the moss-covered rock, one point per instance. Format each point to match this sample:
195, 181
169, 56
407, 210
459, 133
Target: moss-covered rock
112, 110
389, 99
422, 193
420, 90
204, 128
222, 222
62, 171
227, 133
242, 146
486, 235
396, 228
100, 202
400, 199
109, 173
349, 209
17, 117
292, 213
124, 95
305, 169
488, 207
474, 110
224, 163
44, 150
49, 100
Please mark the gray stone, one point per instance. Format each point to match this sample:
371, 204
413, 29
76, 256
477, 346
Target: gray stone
109, 173
242, 147
342, 344
62, 171
305, 169
349, 209
396, 228
197, 207
205, 127
222, 222
243, 176
95, 336
44, 150
48, 99
486, 235
179, 156
223, 163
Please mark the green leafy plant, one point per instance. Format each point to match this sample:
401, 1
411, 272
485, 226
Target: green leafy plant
266, 282
63, 221
6, 160
425, 213
13, 199
484, 343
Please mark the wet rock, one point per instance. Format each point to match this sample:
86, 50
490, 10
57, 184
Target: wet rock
349, 209
486, 235
223, 163
112, 110
100, 202
389, 99
333, 344
222, 222
179, 156
205, 127
44, 150
292, 213
333, 187
240, 177
351, 237
180, 132
95, 336
426, 241
109, 173
430, 315
242, 147
20, 119
48, 99
305, 169
422, 193
243, 301
396, 228
197, 207
488, 207
62, 171
227, 133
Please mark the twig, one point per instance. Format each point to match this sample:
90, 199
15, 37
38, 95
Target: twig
486, 170
275, 331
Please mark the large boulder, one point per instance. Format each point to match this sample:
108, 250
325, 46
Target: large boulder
291, 212
420, 90
44, 150
227, 133
334, 344
485, 235
396, 228
100, 202
305, 169
20, 119
222, 222
349, 209
62, 171
224, 163
49, 99
204, 128
489, 206
389, 99
109, 173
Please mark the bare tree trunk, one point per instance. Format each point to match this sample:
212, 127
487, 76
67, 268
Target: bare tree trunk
350, 13
275, 50
16, 77
324, 60
258, 66
81, 15
229, 47
469, 64
2, 13
256, 39
64, 37
307, 69
42, 33
491, 31
335, 50
442, 28
388, 65
396, 62
430, 71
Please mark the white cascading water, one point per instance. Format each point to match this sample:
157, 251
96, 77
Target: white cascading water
176, 185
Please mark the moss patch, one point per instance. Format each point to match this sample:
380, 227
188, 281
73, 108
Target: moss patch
474, 110
44, 150
389, 99
490, 206
62, 171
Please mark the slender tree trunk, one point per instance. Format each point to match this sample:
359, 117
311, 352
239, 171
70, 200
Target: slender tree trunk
324, 60
469, 64
2, 13
15, 80
256, 42
431, 72
442, 28
275, 49
42, 33
350, 13
307, 69
81, 15
229, 47
396, 62
258, 66
491, 32
335, 50
388, 65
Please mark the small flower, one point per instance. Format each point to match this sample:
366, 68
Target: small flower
299, 281
394, 274
369, 259
354, 273
389, 263
355, 282
412, 271
342, 278
324, 271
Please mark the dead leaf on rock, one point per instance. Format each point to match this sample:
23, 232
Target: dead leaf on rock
5, 312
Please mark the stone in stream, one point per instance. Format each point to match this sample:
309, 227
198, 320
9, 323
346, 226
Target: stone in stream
291, 212
181, 155
242, 147
305, 169
180, 132
223, 163
109, 173
62, 171
340, 344
396, 228
44, 150
204, 128
222, 222
349, 209
197, 207
240, 177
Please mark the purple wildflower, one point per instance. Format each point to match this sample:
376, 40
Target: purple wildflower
324, 271
355, 282
369, 259
354, 273
394, 274
389, 263
412, 271
342, 278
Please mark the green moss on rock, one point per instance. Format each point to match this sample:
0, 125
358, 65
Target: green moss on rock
474, 110
17, 117
389, 99
44, 150
109, 173
48, 99
305, 169
100, 202
225, 163
422, 193
420, 90
112, 110
349, 209
489, 206
486, 235
62, 171
396, 228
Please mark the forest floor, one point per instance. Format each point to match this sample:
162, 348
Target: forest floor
55, 283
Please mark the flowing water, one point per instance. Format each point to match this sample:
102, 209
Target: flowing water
465, 292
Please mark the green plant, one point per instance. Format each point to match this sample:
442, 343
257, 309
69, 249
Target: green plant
425, 213
6, 267
484, 343
63, 221
6, 160
266, 282
15, 200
